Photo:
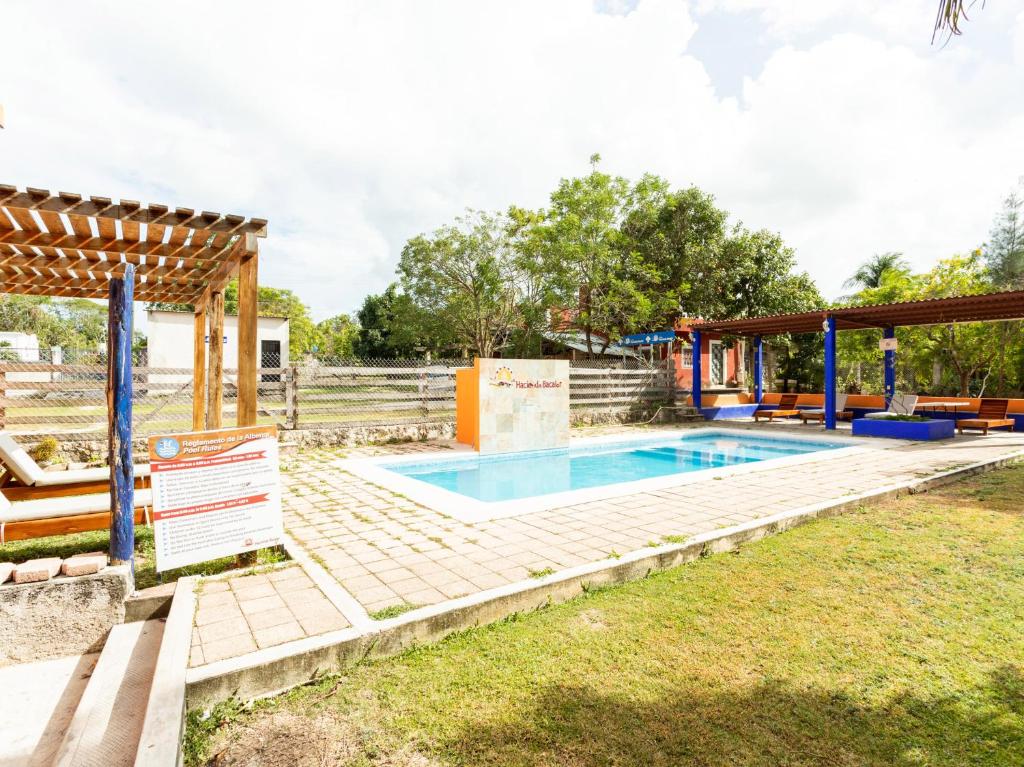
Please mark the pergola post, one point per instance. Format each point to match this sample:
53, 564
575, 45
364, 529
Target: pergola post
830, 372
697, 374
890, 368
758, 369
215, 379
247, 325
119, 417
199, 368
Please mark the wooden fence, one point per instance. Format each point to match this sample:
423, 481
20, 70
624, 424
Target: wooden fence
67, 400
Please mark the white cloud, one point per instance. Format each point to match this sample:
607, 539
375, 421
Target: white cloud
353, 126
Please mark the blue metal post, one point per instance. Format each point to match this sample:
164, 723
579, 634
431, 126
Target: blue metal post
758, 369
696, 368
890, 369
830, 373
119, 417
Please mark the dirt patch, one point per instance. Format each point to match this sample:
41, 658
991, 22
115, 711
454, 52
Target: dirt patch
325, 738
594, 620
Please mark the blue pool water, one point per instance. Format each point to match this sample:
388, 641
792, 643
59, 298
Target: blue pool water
526, 475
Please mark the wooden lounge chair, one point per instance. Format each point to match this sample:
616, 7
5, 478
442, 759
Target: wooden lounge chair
991, 415
818, 413
24, 478
40, 517
786, 408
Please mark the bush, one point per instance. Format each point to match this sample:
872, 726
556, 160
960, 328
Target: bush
46, 450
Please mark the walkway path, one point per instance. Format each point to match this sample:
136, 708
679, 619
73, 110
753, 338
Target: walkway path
372, 553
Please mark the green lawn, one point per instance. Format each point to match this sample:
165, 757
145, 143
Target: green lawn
892, 636
145, 554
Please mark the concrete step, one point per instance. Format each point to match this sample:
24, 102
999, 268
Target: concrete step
107, 724
38, 703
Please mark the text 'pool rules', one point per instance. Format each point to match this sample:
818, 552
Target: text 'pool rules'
215, 494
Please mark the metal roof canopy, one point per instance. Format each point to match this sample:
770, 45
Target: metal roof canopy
987, 307
66, 245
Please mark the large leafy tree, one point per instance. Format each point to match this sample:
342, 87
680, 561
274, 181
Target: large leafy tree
391, 326
467, 279
1004, 251
336, 337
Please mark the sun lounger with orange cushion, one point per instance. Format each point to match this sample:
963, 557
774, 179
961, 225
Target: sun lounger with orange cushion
991, 415
787, 407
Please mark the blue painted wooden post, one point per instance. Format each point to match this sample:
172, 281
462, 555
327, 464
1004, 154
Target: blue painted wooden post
758, 369
696, 368
890, 369
830, 373
119, 417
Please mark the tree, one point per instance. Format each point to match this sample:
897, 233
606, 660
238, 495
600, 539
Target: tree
391, 326
466, 278
870, 273
589, 265
336, 337
1004, 252
278, 302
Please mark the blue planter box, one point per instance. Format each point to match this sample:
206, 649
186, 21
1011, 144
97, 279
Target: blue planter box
938, 428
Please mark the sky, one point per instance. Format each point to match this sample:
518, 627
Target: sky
353, 126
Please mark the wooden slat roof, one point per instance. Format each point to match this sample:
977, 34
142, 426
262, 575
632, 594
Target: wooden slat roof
66, 245
987, 307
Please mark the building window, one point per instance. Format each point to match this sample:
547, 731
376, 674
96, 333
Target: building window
686, 357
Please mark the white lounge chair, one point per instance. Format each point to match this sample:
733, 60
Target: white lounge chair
62, 506
818, 413
901, 404
31, 474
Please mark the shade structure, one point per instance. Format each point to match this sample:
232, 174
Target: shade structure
986, 307
67, 245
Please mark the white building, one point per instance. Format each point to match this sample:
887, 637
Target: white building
25, 345
169, 343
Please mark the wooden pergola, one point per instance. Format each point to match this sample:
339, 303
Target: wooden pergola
987, 307
69, 246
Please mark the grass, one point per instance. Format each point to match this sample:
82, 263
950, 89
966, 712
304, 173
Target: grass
393, 611
889, 636
145, 554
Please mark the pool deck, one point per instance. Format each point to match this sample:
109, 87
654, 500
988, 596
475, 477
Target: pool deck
364, 554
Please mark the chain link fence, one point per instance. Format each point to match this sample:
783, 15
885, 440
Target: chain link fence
69, 398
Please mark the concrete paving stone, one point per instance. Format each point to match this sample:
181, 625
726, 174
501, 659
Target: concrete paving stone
374, 594
362, 582
267, 618
425, 597
317, 624
6, 570
204, 617
37, 570
287, 574
263, 603
256, 591
459, 588
213, 632
488, 580
213, 587
207, 599
232, 647
301, 596
247, 581
275, 635
195, 657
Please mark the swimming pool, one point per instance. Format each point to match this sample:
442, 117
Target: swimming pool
477, 487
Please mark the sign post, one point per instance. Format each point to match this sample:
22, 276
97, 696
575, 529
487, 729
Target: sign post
215, 494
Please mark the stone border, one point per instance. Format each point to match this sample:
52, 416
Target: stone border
276, 669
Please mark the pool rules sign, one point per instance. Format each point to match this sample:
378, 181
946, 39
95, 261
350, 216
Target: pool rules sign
215, 494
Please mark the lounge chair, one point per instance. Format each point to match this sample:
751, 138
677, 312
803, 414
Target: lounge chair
35, 482
786, 408
900, 404
991, 415
818, 413
65, 514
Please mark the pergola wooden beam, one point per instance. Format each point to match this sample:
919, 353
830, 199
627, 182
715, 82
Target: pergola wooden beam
23, 240
126, 210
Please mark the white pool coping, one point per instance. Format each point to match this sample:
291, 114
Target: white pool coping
466, 509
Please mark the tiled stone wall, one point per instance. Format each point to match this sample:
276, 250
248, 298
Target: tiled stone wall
524, 404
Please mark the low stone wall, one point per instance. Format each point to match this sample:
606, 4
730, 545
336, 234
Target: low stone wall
59, 617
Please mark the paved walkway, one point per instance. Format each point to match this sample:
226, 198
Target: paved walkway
390, 554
